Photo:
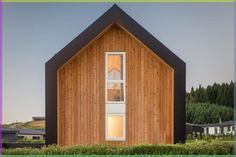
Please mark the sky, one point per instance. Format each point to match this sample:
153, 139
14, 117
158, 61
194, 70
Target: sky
201, 34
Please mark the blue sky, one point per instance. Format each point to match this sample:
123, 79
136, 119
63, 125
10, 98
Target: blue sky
201, 34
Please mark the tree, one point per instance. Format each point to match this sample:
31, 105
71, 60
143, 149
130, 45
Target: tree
220, 94
201, 113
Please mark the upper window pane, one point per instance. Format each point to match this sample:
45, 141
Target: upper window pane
115, 67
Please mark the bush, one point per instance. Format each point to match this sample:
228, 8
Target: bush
199, 147
25, 140
223, 137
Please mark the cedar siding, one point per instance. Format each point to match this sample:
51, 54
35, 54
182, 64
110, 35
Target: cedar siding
81, 93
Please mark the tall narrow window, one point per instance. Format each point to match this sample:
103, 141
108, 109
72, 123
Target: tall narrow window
115, 96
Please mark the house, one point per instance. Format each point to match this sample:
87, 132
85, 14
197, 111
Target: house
221, 128
193, 129
33, 134
38, 118
115, 84
9, 135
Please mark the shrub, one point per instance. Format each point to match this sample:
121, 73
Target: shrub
198, 147
25, 140
222, 137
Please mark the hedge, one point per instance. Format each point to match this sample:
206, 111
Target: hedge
195, 148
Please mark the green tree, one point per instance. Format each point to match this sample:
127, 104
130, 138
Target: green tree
200, 113
220, 94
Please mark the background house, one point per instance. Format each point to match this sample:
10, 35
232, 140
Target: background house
11, 135
38, 118
33, 134
222, 128
193, 129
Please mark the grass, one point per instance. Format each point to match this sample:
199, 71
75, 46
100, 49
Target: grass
27, 125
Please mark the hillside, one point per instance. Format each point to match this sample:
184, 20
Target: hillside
40, 124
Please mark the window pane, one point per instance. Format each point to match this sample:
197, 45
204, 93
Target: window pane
115, 126
115, 67
115, 92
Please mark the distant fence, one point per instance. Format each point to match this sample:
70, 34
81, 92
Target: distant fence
22, 145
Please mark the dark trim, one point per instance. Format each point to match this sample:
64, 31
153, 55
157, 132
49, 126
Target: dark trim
115, 15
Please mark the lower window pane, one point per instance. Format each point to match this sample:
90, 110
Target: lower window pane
115, 92
115, 126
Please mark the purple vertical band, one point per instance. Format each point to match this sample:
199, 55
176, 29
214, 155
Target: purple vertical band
1, 77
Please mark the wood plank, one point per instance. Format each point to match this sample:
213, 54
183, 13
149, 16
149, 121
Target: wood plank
142, 79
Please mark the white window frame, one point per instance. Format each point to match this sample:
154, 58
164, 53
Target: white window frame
115, 81
119, 106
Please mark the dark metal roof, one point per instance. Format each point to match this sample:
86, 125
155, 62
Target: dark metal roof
38, 118
9, 131
227, 123
25, 131
115, 15
32, 131
191, 124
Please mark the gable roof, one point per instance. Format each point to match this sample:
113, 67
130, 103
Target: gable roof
114, 15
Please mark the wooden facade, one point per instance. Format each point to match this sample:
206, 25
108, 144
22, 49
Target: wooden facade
81, 93
79, 96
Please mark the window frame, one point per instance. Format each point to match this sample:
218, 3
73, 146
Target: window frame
115, 81
119, 108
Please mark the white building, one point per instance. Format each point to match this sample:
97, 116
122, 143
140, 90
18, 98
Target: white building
34, 134
222, 128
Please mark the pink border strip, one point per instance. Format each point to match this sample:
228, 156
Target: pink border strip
1, 77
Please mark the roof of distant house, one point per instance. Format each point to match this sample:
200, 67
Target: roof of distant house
191, 124
9, 131
227, 123
25, 131
38, 118
32, 131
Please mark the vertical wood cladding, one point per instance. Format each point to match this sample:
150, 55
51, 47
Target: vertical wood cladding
149, 93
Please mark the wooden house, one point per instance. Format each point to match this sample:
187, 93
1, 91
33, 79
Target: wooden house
115, 84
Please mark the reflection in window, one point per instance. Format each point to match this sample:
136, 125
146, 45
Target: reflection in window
115, 67
115, 126
115, 92
114, 74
